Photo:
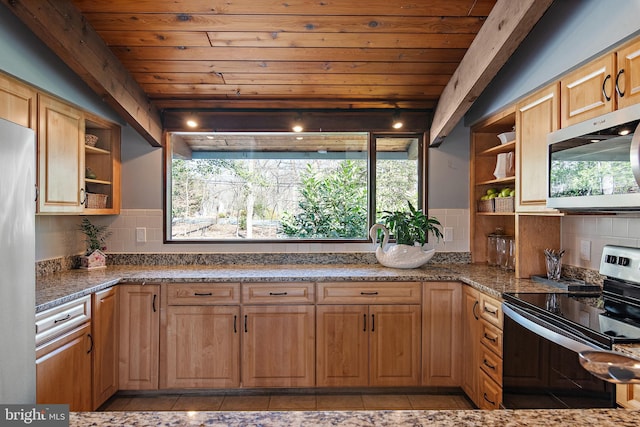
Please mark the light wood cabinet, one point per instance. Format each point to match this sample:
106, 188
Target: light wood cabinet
278, 346
278, 335
60, 157
605, 84
201, 330
17, 102
588, 91
441, 333
102, 167
139, 336
628, 395
628, 75
536, 116
369, 334
63, 370
525, 226
482, 339
69, 173
470, 334
105, 352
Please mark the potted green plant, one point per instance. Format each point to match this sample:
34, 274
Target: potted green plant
95, 239
411, 229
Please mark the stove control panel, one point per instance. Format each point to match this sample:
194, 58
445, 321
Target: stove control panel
621, 262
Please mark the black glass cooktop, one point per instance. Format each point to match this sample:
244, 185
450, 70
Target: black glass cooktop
585, 316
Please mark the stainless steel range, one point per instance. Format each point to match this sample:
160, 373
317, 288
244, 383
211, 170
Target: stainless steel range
543, 334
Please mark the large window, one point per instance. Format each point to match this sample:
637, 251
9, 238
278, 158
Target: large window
285, 186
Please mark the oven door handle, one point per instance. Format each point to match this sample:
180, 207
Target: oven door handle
547, 330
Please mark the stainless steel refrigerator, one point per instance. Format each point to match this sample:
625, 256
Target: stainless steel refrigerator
17, 264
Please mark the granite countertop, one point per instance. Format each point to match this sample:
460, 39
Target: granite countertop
55, 289
558, 417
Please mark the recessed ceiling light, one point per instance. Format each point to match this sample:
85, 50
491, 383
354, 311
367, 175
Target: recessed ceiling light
192, 123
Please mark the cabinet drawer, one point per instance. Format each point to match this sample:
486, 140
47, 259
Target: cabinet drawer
369, 293
491, 337
491, 364
491, 310
282, 293
489, 392
203, 293
62, 319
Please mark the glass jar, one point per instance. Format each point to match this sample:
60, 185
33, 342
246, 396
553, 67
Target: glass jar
505, 246
492, 246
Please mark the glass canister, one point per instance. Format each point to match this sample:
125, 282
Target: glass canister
492, 246
504, 247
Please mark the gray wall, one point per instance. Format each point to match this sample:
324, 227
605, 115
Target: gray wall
569, 34
449, 171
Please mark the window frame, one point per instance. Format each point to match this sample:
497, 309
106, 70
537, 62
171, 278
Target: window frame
371, 191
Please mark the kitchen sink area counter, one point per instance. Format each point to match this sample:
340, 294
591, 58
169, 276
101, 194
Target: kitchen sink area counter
58, 288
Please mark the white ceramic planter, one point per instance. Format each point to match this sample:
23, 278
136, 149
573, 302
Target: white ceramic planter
398, 256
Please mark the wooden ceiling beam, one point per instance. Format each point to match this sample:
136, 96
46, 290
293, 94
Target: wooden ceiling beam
59, 24
303, 7
507, 25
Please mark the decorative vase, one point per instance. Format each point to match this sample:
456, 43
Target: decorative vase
398, 256
96, 259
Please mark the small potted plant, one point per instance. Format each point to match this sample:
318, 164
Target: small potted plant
95, 238
411, 229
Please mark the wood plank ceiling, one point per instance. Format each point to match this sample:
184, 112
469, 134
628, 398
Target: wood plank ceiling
289, 54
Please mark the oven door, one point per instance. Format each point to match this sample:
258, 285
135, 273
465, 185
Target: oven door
541, 369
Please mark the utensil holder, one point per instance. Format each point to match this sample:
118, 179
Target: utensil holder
554, 266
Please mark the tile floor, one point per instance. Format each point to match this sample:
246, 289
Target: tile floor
286, 402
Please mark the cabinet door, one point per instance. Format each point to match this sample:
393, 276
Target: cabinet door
202, 347
628, 395
441, 334
105, 353
278, 346
60, 157
139, 336
628, 76
342, 346
470, 341
394, 345
17, 102
589, 91
536, 116
63, 370
489, 392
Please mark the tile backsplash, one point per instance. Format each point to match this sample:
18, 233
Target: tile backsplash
595, 231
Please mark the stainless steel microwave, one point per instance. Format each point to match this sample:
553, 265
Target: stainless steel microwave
595, 164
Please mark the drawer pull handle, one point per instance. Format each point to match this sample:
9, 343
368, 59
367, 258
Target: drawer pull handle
473, 310
235, 329
493, 312
373, 323
198, 294
364, 328
488, 365
153, 303
91, 340
65, 318
277, 294
245, 323
487, 399
492, 339
368, 293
